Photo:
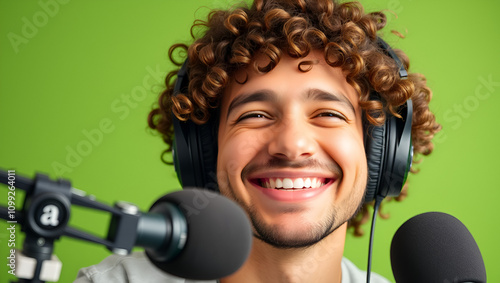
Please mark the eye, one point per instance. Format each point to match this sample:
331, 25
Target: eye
252, 115
331, 114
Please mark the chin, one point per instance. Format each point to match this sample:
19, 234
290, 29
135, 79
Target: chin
292, 231
287, 239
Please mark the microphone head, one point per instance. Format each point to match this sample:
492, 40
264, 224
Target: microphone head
219, 237
435, 247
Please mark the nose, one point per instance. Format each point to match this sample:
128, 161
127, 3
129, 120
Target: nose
293, 140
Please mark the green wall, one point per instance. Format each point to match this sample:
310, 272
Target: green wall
78, 78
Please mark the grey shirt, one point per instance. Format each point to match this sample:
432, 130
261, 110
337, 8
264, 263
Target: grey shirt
136, 268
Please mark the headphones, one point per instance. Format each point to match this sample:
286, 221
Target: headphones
389, 149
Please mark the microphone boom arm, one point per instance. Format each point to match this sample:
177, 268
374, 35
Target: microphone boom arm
44, 218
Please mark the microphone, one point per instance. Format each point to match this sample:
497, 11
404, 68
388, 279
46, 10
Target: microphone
195, 234
436, 247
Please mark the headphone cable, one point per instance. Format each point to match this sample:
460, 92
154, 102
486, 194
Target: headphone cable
378, 201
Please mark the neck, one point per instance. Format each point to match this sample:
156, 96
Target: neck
318, 263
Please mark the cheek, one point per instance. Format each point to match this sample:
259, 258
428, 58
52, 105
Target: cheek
347, 149
237, 149
228, 159
353, 153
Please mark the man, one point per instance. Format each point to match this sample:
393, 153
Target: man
287, 85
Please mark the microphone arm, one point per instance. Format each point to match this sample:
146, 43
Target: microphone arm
44, 218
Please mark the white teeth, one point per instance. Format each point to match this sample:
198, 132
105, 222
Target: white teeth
287, 183
290, 183
279, 183
273, 183
298, 184
317, 183
307, 183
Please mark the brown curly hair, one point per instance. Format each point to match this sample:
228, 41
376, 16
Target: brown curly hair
230, 40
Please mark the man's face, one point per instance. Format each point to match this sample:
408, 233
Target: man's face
291, 151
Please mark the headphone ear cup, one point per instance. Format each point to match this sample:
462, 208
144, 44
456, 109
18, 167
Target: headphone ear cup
389, 153
375, 147
195, 154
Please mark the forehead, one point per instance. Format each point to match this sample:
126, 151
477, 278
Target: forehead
289, 76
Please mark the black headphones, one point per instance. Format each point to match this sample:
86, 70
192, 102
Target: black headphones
389, 149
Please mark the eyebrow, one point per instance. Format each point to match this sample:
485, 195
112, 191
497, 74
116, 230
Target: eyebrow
321, 95
257, 96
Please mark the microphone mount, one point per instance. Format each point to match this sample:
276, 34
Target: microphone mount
44, 218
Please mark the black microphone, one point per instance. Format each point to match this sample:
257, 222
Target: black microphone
436, 247
195, 234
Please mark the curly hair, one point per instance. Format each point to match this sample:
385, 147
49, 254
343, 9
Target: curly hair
230, 40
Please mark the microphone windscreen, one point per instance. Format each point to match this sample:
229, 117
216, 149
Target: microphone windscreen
219, 236
435, 247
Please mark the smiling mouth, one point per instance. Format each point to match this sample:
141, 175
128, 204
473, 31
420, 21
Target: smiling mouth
291, 184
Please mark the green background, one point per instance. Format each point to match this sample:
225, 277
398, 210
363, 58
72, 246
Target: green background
78, 67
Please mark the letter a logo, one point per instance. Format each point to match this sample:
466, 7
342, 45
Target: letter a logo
50, 216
